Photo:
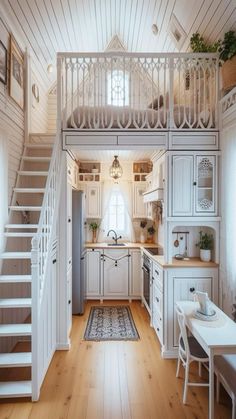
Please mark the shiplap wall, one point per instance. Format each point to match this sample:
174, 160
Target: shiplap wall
39, 110
52, 111
11, 122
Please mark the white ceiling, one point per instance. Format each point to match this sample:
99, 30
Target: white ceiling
49, 26
108, 155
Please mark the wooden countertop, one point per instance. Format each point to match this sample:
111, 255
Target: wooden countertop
191, 263
127, 246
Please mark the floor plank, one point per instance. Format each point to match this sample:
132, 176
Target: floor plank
114, 380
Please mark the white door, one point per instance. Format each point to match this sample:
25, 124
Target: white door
182, 185
116, 273
139, 208
135, 273
93, 273
93, 201
184, 289
69, 300
69, 225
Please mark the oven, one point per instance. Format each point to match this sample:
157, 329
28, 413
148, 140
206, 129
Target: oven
147, 277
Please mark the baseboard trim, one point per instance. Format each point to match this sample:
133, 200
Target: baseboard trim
63, 346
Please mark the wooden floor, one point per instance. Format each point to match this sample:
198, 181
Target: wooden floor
114, 380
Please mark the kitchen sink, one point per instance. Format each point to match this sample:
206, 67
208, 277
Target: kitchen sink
116, 244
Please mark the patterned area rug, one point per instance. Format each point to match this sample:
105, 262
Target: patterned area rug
111, 323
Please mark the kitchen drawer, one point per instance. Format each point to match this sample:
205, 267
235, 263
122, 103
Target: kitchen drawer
158, 327
157, 274
157, 301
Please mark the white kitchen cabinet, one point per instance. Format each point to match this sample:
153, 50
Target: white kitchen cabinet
93, 200
135, 273
139, 208
181, 284
116, 273
93, 274
193, 185
157, 301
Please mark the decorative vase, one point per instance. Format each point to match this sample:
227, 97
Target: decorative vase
205, 255
94, 236
142, 237
228, 72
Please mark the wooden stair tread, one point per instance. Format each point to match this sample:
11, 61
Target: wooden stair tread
15, 302
32, 173
23, 329
14, 278
15, 255
15, 359
19, 234
15, 389
29, 190
23, 226
36, 159
24, 208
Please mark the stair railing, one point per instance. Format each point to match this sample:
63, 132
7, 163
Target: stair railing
40, 256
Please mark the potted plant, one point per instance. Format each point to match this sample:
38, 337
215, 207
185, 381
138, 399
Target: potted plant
205, 244
143, 224
198, 44
151, 231
94, 227
227, 50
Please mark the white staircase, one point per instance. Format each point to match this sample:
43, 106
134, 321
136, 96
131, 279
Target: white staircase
24, 218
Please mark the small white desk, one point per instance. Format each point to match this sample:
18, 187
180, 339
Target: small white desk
215, 340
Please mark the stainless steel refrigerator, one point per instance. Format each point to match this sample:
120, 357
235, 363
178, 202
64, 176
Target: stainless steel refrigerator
78, 252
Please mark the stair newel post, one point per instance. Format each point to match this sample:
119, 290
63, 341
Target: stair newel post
35, 317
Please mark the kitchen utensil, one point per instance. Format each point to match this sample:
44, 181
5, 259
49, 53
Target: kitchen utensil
176, 242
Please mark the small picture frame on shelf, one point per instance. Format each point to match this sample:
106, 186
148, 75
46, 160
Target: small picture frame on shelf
3, 63
16, 89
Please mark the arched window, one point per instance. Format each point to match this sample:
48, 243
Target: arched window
118, 88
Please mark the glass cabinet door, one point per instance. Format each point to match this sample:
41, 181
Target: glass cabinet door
205, 184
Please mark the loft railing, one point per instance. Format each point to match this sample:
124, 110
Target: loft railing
118, 90
40, 269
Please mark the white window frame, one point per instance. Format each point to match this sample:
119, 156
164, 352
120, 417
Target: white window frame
112, 98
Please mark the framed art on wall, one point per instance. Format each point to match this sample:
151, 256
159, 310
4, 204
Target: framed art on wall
3, 63
16, 73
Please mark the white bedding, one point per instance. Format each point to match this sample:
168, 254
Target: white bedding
112, 117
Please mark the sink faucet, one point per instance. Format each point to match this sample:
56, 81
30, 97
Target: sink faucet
114, 238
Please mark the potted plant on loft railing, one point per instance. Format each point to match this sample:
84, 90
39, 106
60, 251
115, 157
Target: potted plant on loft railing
227, 55
94, 226
227, 50
206, 245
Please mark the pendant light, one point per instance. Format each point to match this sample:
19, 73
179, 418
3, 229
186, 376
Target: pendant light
116, 169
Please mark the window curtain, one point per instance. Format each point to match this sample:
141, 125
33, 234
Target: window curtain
125, 188
228, 225
107, 189
3, 187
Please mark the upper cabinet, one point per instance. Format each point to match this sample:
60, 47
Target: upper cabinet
139, 207
193, 184
93, 200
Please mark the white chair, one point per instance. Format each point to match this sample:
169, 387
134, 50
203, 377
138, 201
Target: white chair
189, 350
225, 368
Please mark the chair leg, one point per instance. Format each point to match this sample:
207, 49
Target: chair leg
234, 408
186, 382
178, 365
217, 388
200, 369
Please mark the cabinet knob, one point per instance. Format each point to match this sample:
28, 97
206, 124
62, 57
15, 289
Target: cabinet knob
69, 220
54, 261
192, 289
69, 302
157, 272
194, 183
69, 172
158, 329
157, 299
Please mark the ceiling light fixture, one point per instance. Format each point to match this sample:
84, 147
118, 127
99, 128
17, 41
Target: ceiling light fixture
116, 170
154, 29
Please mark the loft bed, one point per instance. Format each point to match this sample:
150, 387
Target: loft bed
118, 94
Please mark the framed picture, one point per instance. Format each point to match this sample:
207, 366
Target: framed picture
16, 74
3, 63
